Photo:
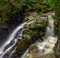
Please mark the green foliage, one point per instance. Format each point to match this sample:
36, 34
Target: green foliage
50, 3
42, 5
13, 6
31, 4
4, 6
57, 12
57, 3
57, 9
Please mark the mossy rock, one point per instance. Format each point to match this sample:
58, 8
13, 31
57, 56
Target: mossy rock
31, 33
23, 44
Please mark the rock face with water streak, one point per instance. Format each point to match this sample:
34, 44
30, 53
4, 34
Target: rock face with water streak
33, 31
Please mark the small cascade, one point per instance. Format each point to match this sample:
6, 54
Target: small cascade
47, 45
50, 27
51, 39
11, 38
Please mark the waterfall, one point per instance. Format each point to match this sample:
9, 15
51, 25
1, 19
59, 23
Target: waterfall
11, 37
49, 40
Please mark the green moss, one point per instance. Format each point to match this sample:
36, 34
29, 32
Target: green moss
23, 44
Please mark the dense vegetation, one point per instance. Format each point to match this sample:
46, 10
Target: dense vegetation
9, 7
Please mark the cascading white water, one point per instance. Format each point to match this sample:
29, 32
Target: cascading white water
12, 36
49, 40
8, 49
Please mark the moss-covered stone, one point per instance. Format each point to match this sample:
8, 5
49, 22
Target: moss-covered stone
32, 33
23, 43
